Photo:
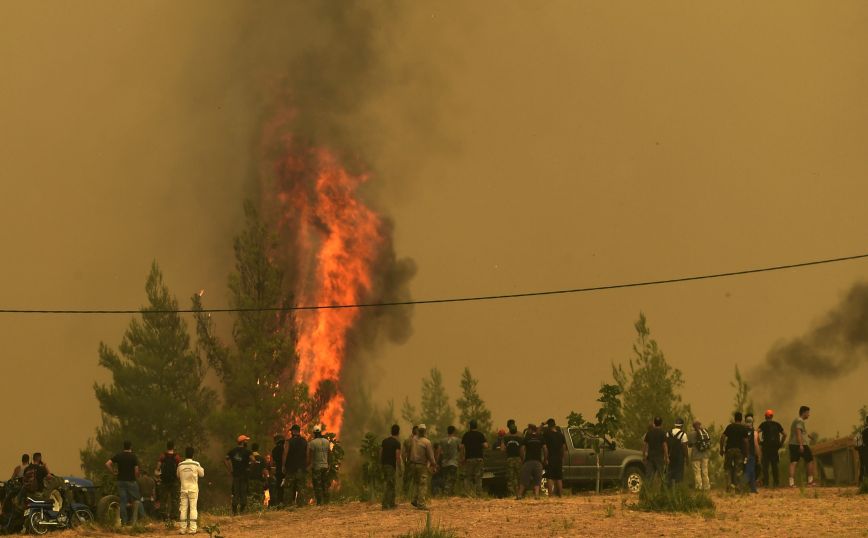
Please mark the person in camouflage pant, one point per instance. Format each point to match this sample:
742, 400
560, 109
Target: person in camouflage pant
319, 449
423, 463
511, 444
295, 461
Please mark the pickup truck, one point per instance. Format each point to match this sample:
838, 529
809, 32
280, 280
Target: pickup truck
621, 466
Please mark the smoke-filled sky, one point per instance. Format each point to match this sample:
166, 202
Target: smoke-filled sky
515, 146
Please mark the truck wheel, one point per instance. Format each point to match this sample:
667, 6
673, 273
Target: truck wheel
108, 510
633, 479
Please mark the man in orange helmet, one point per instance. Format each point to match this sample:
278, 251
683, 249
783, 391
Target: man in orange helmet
771, 439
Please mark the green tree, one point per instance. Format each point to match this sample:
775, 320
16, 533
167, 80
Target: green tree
742, 401
650, 387
409, 412
437, 414
608, 424
156, 391
260, 396
471, 406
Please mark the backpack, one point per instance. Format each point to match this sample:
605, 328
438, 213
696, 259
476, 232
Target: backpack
257, 468
676, 442
168, 468
703, 440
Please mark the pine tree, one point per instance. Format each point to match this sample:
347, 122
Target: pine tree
743, 401
650, 388
259, 393
437, 414
471, 405
156, 392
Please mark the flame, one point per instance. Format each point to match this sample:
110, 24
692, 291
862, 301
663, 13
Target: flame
337, 242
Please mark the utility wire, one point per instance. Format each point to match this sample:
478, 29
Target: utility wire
455, 299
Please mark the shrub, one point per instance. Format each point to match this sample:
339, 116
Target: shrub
655, 497
430, 531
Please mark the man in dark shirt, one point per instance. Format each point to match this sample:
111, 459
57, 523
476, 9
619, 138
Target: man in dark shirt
257, 475
511, 444
238, 462
170, 492
863, 453
750, 467
771, 439
295, 463
734, 449
390, 459
473, 443
127, 471
276, 492
556, 444
534, 455
655, 451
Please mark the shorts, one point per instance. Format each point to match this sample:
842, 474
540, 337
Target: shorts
555, 470
531, 474
796, 454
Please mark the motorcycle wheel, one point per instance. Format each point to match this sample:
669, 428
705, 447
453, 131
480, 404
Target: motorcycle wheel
34, 523
82, 516
108, 510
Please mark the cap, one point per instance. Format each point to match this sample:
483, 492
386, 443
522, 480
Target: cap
501, 432
679, 421
770, 413
317, 428
242, 438
423, 427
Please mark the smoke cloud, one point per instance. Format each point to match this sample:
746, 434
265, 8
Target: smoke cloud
835, 347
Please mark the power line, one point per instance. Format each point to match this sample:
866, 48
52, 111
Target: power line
457, 299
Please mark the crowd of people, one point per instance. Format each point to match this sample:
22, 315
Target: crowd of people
746, 448
750, 454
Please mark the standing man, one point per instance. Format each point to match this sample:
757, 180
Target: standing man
752, 453
447, 455
167, 469
276, 491
407, 451
654, 450
734, 449
390, 459
771, 439
423, 464
678, 457
257, 475
18, 471
863, 454
238, 462
295, 463
473, 444
799, 449
126, 472
534, 455
556, 446
700, 443
189, 472
148, 490
318, 458
512, 443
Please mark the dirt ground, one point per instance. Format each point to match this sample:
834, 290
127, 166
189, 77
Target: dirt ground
785, 512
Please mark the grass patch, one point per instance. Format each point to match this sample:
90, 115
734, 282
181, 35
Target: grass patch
430, 531
679, 498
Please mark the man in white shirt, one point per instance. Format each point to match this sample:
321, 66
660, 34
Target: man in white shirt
189, 473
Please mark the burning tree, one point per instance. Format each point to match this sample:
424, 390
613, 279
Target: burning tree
257, 374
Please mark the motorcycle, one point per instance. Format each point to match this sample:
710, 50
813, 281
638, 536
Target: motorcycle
59, 511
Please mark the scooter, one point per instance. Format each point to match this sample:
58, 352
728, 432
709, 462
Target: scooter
41, 516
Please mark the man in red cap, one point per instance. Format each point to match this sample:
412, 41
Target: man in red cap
771, 439
238, 462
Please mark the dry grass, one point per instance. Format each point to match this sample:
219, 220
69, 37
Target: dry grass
785, 512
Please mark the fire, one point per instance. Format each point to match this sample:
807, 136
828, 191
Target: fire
337, 241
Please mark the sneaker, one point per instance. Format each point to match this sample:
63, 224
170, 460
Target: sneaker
182, 531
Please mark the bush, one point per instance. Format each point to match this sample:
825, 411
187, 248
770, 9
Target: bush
430, 532
655, 497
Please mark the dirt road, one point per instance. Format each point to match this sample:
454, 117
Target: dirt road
819, 511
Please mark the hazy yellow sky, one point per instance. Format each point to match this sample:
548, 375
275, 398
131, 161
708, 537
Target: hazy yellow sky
517, 146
